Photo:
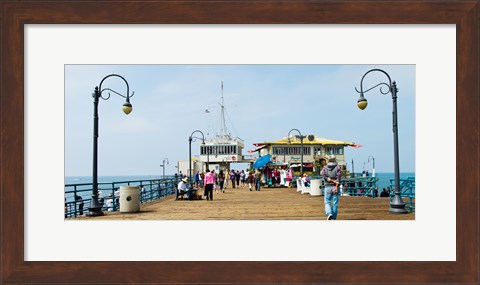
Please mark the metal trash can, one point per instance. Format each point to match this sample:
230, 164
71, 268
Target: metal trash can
129, 199
315, 187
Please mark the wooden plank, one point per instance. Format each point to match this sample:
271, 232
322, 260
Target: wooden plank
267, 204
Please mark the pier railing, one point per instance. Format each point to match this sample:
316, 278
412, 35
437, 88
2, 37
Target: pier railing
355, 186
407, 190
360, 186
109, 194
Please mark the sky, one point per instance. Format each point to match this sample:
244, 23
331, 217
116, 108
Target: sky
263, 103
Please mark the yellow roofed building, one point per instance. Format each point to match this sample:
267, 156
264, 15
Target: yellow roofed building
315, 150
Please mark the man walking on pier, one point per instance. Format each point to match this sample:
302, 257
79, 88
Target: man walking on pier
331, 174
257, 180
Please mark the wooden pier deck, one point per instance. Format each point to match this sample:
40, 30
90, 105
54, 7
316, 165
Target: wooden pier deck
267, 204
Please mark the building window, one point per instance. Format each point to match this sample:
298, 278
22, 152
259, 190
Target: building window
278, 150
291, 150
329, 150
306, 150
337, 150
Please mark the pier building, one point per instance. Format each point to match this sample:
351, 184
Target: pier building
316, 150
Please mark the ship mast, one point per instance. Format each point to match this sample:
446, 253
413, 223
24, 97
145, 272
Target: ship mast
223, 129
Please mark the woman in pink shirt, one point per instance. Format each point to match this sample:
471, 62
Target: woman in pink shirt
208, 182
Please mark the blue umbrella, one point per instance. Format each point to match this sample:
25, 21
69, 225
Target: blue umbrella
262, 161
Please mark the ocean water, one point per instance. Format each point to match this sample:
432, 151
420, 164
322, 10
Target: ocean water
109, 179
384, 178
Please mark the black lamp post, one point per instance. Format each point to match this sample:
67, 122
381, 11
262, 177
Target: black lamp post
397, 206
373, 170
95, 208
208, 155
353, 169
163, 166
301, 137
190, 138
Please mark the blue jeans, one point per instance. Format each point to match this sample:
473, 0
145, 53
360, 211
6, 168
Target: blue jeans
257, 184
333, 199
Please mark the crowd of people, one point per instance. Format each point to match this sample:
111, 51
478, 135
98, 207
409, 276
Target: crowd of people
224, 179
278, 175
211, 181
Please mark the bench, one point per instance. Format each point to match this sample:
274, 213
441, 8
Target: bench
180, 194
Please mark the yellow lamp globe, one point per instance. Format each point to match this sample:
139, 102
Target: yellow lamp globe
127, 108
362, 103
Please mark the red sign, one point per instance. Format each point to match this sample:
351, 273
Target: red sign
233, 157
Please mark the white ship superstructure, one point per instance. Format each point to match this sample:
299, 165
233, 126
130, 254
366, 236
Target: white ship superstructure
223, 149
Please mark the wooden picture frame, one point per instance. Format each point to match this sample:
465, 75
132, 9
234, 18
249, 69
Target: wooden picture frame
14, 14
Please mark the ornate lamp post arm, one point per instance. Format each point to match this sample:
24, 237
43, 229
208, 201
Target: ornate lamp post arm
163, 166
389, 85
127, 107
95, 208
397, 206
301, 137
373, 170
190, 138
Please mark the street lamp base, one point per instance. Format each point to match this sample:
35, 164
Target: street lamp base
393, 210
94, 212
397, 206
95, 208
